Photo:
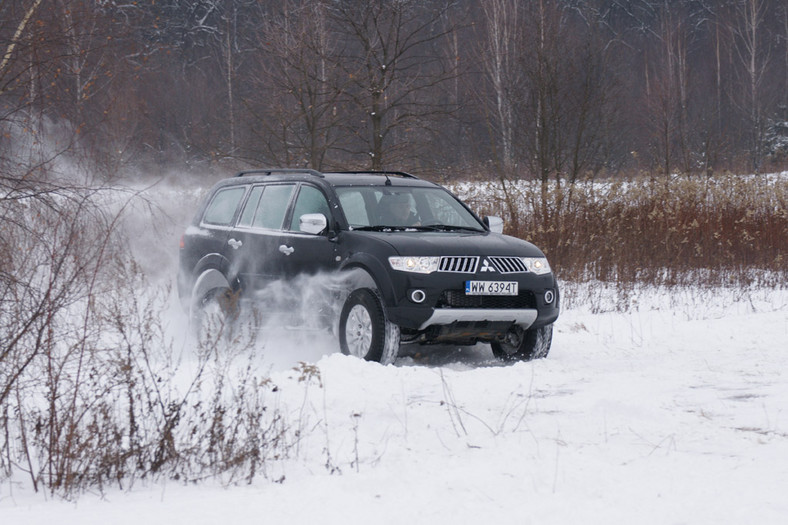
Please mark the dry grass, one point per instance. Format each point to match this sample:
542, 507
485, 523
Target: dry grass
712, 231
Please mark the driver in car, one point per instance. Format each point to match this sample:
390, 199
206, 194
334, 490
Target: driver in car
397, 211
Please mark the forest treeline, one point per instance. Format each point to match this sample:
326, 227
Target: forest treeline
535, 88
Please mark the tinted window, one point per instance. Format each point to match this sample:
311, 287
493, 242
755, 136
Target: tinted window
222, 208
273, 205
354, 207
251, 206
310, 200
378, 206
445, 210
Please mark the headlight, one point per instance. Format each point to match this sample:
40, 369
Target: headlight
537, 265
415, 264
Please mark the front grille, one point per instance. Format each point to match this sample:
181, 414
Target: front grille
459, 264
458, 299
508, 264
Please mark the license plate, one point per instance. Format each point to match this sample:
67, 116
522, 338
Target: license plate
490, 287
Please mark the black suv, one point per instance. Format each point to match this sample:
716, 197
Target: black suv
414, 263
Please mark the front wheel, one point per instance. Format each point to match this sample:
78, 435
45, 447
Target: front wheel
524, 345
364, 330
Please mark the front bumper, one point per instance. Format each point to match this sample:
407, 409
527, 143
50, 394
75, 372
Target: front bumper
446, 305
446, 316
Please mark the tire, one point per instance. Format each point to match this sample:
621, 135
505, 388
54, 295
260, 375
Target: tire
524, 345
214, 313
364, 331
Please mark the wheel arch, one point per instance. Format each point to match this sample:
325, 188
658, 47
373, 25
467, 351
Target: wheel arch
207, 280
365, 271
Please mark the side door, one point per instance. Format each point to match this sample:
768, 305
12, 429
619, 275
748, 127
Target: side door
215, 227
306, 253
255, 256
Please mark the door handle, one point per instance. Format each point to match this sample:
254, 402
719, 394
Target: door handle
235, 244
287, 250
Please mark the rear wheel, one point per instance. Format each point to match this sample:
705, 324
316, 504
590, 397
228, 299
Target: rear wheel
214, 312
524, 345
364, 330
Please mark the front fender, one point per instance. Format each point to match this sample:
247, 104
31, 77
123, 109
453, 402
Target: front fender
365, 271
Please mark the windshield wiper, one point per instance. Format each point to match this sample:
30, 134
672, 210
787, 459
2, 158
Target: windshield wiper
446, 228
429, 228
379, 228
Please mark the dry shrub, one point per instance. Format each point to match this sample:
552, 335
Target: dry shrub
91, 390
721, 230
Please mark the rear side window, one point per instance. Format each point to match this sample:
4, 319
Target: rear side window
273, 205
251, 206
222, 208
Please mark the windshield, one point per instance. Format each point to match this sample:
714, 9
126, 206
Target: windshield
398, 207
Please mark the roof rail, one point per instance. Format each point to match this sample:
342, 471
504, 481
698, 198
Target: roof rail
274, 171
387, 173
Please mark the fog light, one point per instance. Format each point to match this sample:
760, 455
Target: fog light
549, 296
418, 296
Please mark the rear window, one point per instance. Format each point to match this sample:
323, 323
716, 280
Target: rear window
222, 208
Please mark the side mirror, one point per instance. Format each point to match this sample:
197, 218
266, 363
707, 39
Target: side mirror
314, 223
495, 224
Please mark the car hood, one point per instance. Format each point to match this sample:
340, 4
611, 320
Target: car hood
453, 243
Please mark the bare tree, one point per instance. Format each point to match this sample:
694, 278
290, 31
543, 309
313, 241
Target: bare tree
11, 46
500, 61
754, 54
666, 95
191, 56
296, 86
566, 100
785, 57
352, 82
16, 74
50, 258
389, 51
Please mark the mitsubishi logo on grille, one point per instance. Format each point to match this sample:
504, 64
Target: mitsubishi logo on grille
486, 267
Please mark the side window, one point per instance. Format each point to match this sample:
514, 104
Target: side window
222, 208
251, 206
310, 200
273, 205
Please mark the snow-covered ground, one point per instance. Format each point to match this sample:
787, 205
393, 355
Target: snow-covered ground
675, 411
654, 406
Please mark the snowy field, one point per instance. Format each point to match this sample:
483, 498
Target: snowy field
674, 412
655, 406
